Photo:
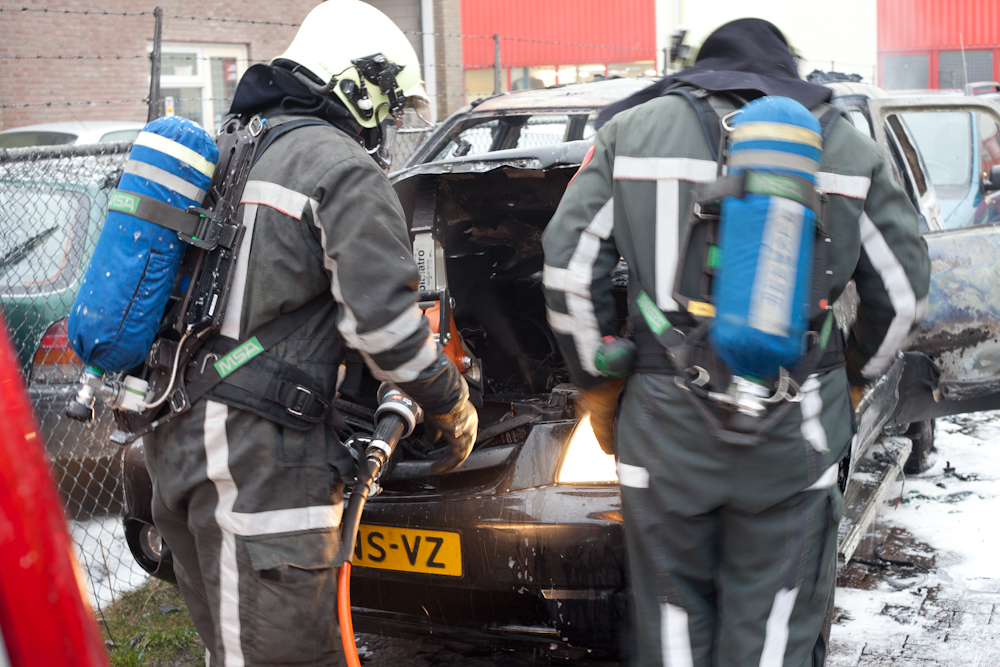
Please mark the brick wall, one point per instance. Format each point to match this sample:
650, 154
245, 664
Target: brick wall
53, 33
59, 81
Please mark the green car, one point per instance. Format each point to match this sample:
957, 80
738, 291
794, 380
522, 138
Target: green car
52, 205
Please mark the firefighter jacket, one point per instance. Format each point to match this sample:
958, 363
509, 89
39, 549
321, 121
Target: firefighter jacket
322, 218
632, 197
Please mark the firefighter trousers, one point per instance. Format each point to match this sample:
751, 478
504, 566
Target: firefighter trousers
732, 549
251, 514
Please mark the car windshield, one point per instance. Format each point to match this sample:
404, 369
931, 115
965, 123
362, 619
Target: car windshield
23, 139
42, 237
478, 136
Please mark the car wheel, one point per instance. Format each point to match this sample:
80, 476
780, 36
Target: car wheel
921, 434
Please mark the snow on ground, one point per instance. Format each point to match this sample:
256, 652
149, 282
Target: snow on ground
107, 563
947, 520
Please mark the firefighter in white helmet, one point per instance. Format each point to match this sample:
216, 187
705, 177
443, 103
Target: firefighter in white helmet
249, 509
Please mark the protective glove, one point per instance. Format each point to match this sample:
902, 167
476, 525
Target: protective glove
457, 428
601, 402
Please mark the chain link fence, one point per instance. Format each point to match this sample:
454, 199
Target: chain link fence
53, 202
52, 205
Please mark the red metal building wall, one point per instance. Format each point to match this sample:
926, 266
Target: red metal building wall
931, 26
905, 25
525, 27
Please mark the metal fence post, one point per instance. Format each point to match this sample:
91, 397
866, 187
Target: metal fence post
497, 87
154, 70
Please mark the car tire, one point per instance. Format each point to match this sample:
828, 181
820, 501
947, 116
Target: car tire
921, 434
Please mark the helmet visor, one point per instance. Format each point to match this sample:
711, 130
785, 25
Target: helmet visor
415, 116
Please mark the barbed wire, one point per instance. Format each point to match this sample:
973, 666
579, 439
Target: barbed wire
92, 12
593, 46
446, 34
47, 10
80, 57
229, 20
145, 100
218, 19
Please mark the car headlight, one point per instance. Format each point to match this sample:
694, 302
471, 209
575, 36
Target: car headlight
583, 460
151, 543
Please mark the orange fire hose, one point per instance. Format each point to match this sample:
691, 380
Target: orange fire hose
344, 615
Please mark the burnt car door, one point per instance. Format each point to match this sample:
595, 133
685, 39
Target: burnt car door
957, 139
907, 163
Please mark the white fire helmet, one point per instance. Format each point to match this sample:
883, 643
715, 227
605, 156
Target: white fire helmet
362, 57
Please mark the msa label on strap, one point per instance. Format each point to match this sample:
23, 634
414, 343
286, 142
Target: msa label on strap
123, 202
654, 317
238, 356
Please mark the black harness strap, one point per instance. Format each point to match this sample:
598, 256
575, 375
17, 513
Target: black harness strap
706, 114
280, 130
154, 211
206, 374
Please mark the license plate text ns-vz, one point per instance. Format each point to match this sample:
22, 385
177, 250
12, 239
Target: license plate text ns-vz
409, 550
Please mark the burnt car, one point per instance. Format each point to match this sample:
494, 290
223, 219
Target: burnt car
945, 151
522, 547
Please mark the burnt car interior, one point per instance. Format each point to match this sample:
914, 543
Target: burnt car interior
489, 226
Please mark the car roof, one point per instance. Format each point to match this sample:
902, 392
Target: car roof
589, 95
86, 131
852, 89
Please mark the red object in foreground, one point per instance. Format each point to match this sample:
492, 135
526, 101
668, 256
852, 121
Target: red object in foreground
44, 617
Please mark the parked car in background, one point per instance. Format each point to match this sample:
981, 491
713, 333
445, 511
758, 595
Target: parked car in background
51, 211
70, 132
522, 547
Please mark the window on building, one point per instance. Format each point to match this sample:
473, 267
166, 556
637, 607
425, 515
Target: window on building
909, 71
523, 78
952, 68
197, 81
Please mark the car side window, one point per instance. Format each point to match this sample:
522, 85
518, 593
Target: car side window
485, 136
473, 139
861, 122
987, 210
542, 130
950, 153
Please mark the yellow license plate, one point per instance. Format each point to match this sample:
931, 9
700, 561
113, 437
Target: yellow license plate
409, 550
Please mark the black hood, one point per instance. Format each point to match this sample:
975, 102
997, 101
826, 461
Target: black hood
274, 89
750, 56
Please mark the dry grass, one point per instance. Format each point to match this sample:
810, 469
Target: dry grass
150, 626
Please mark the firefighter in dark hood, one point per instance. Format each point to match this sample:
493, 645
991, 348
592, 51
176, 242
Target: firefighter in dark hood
251, 511
732, 547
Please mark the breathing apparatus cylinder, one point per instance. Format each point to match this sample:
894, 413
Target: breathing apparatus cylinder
125, 290
763, 284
